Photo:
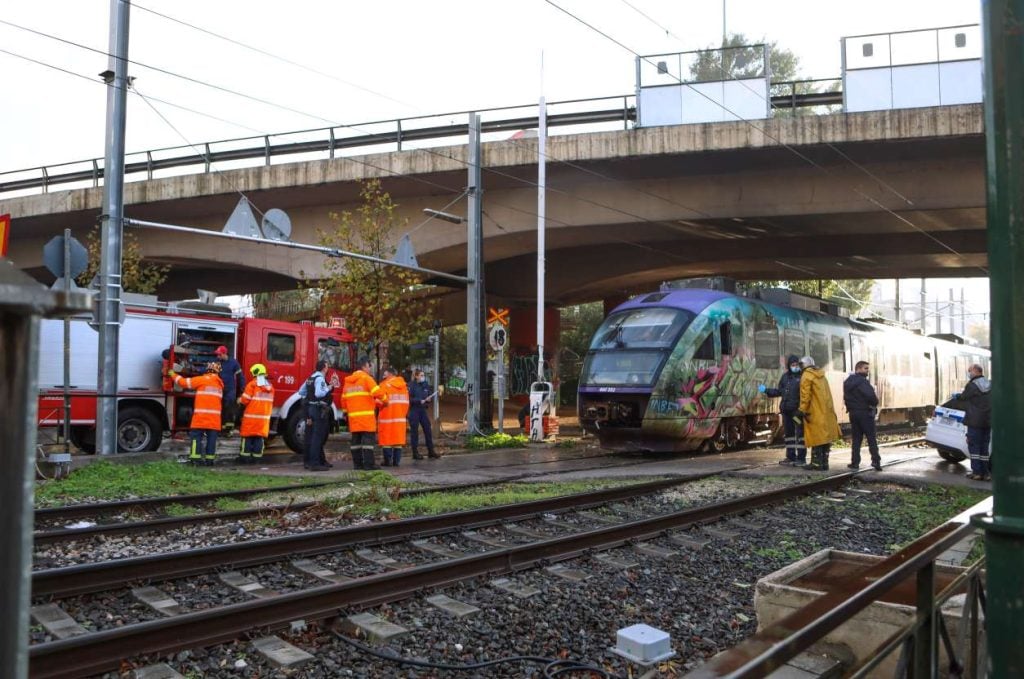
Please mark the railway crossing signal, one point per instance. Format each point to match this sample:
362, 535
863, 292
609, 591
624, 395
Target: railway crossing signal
495, 315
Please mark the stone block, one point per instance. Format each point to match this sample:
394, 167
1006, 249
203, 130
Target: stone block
452, 606
55, 621
376, 629
280, 653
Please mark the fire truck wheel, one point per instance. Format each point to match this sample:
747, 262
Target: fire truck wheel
138, 430
295, 430
84, 439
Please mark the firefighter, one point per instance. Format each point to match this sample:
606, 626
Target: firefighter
205, 413
317, 396
231, 374
258, 400
391, 422
359, 396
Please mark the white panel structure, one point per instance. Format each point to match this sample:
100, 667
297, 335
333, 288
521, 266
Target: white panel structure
867, 90
960, 82
912, 69
915, 86
703, 102
747, 99
660, 106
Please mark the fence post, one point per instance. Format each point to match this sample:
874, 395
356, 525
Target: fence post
1004, 137
924, 638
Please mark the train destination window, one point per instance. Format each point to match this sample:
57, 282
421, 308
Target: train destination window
766, 347
819, 349
725, 330
794, 343
838, 353
626, 368
654, 328
281, 348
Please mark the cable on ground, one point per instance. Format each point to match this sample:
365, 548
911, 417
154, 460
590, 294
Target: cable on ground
551, 667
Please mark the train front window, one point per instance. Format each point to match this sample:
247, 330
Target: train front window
655, 328
621, 368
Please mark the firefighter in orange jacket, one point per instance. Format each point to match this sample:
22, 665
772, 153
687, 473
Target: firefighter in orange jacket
205, 413
258, 399
391, 422
359, 397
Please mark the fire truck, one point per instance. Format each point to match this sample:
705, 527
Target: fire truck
156, 337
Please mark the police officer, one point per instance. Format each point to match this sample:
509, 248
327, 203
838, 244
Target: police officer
861, 402
317, 395
789, 392
234, 381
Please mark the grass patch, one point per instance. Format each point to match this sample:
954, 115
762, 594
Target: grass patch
105, 480
230, 504
378, 500
492, 441
918, 510
180, 510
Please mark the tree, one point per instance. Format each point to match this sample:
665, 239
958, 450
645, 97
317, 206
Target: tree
379, 303
579, 323
136, 275
736, 60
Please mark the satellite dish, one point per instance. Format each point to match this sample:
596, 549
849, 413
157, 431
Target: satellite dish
276, 225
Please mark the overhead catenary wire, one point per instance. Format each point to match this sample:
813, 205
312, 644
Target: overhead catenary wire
271, 55
767, 134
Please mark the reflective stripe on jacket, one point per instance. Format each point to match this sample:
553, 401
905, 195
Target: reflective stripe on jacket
206, 409
259, 403
359, 397
392, 421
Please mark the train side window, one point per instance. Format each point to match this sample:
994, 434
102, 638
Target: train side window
838, 353
725, 333
335, 353
819, 349
281, 348
706, 350
766, 347
794, 343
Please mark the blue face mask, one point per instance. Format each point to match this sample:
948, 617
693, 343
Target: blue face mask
794, 369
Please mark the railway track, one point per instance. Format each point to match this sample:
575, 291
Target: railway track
95, 652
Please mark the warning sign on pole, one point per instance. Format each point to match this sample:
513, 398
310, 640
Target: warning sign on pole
497, 316
5, 231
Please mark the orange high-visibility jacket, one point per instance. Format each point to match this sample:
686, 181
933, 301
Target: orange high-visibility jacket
391, 421
258, 402
359, 395
206, 410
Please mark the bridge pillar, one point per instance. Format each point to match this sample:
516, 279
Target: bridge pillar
522, 362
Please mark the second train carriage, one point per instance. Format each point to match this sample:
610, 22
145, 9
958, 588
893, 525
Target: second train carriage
679, 370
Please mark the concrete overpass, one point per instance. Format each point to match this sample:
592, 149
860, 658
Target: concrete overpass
863, 195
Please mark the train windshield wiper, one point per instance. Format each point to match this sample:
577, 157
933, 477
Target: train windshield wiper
614, 335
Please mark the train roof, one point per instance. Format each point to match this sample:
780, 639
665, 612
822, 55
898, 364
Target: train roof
691, 299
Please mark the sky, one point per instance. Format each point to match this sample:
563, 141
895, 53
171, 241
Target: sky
376, 61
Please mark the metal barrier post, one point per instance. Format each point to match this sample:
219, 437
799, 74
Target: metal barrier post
1004, 135
924, 638
22, 301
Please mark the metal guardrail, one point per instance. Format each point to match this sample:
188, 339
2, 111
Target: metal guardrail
398, 132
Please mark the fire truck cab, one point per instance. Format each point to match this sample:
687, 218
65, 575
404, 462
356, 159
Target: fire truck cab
185, 336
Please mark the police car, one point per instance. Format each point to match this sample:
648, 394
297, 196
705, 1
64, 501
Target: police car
947, 431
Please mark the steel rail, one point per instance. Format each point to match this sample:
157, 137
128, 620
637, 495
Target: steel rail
95, 653
70, 534
83, 579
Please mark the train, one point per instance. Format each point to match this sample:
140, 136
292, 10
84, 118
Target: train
678, 370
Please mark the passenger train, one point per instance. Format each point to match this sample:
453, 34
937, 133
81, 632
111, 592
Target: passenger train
679, 370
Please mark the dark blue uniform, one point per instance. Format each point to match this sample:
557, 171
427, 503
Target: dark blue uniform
861, 402
418, 417
318, 404
789, 392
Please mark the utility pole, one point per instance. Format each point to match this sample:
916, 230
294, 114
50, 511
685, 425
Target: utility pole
963, 315
474, 289
111, 227
542, 147
952, 313
896, 306
1004, 138
924, 309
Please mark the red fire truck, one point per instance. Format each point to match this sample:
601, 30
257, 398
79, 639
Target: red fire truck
186, 335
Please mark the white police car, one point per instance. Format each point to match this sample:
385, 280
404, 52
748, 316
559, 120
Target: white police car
947, 431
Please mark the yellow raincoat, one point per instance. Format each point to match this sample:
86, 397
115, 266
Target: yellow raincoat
820, 423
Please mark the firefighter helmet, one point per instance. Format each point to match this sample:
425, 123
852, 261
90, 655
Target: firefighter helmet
213, 367
258, 369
